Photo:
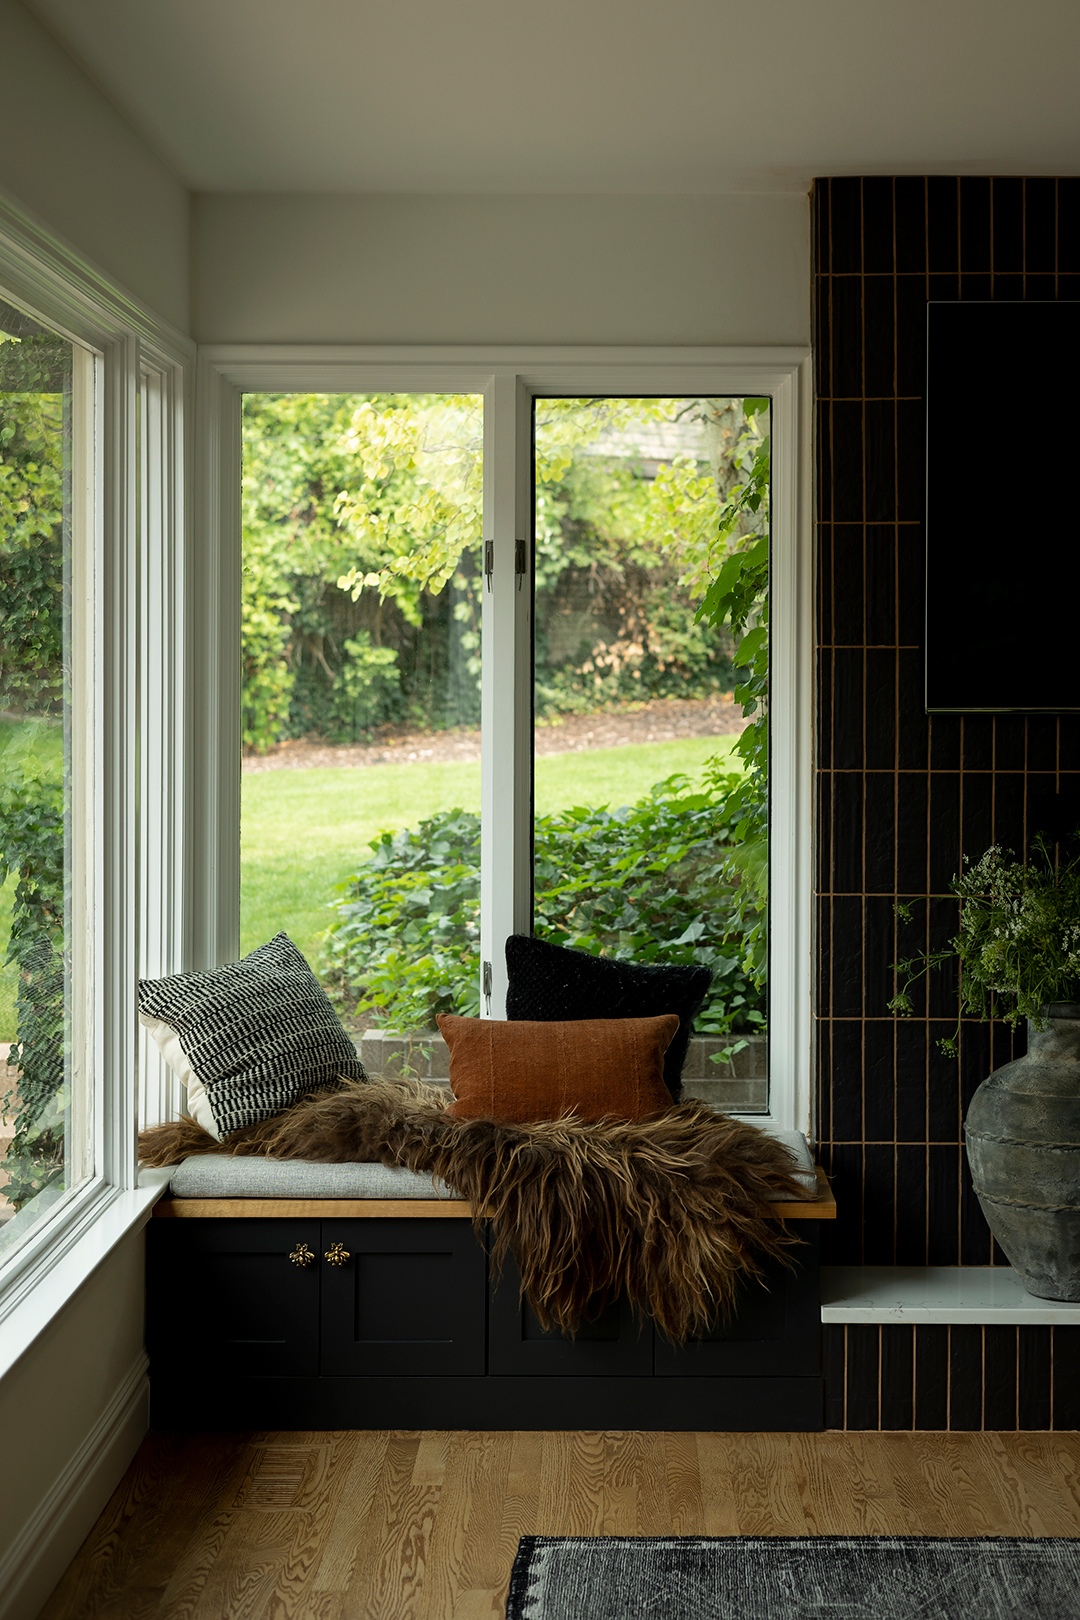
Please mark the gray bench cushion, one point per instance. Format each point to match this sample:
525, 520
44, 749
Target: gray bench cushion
219, 1175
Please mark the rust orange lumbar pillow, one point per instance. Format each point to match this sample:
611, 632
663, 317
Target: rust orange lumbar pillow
596, 1068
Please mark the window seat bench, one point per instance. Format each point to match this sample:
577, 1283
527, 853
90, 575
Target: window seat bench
341, 1300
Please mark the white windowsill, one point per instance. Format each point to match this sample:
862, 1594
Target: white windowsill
974, 1294
53, 1287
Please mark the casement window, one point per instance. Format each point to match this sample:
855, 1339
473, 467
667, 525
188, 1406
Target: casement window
517, 393
92, 561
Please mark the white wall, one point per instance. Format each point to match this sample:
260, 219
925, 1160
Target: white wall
72, 1412
728, 269
69, 157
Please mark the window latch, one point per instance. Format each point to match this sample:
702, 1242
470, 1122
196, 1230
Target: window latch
521, 561
489, 561
487, 986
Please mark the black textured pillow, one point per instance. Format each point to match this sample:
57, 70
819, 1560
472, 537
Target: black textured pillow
250, 1038
548, 982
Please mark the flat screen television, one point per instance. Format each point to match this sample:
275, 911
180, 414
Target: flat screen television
1003, 508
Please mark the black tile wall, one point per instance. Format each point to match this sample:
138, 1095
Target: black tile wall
939, 1377
902, 797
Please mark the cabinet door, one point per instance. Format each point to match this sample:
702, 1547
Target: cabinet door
614, 1344
224, 1298
774, 1328
406, 1300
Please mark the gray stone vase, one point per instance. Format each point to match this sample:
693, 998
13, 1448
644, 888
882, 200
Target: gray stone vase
1023, 1146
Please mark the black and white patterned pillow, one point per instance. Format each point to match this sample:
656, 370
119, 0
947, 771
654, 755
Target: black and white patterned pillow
250, 1038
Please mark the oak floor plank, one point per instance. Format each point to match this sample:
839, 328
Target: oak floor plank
654, 1486
621, 1483
842, 1491
962, 1497
765, 1486
393, 1551
405, 1525
1032, 1485
144, 1530
256, 1548
184, 1591
520, 1512
1064, 1459
466, 1549
485, 1486
717, 1493
356, 1484
572, 1484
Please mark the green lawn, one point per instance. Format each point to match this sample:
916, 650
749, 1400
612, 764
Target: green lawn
305, 831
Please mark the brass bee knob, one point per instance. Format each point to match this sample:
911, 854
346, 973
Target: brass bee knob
301, 1255
336, 1254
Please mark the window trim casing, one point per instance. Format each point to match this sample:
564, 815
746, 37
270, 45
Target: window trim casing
41, 273
509, 378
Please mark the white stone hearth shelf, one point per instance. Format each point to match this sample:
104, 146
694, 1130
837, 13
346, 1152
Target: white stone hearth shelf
913, 1294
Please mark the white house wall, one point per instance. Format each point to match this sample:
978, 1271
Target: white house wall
69, 157
726, 269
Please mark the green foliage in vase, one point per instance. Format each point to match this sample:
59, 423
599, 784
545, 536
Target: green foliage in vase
645, 883
1018, 945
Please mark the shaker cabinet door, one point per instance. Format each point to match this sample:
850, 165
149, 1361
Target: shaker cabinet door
236, 1298
402, 1298
614, 1344
774, 1328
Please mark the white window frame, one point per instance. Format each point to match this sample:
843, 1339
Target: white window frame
132, 559
509, 379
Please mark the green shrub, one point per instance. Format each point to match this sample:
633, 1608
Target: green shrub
649, 883
32, 845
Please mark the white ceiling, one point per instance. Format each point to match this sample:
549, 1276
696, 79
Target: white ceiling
664, 96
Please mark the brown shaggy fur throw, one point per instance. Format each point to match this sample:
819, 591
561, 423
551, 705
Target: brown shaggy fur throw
673, 1209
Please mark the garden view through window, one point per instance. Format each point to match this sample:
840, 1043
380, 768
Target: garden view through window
43, 1128
364, 596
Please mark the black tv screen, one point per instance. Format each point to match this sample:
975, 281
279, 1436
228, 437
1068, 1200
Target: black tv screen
1002, 507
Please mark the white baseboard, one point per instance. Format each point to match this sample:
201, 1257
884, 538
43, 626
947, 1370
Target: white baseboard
60, 1523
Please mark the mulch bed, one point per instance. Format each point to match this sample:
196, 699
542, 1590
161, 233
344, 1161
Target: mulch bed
661, 721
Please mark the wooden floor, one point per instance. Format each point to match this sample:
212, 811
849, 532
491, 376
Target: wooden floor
388, 1526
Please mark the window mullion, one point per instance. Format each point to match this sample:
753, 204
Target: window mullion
506, 695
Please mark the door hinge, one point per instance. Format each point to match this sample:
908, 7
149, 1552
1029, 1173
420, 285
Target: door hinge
487, 985
489, 561
521, 561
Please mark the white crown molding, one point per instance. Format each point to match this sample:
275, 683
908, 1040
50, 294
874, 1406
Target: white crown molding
72, 293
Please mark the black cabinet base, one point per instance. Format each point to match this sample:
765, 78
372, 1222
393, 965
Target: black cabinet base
710, 1404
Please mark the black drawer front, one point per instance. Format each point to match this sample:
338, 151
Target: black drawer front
408, 1302
775, 1328
225, 1299
614, 1344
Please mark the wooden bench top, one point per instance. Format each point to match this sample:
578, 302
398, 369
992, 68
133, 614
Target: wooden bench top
823, 1208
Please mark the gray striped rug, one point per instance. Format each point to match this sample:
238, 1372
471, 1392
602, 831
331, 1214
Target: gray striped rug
795, 1578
